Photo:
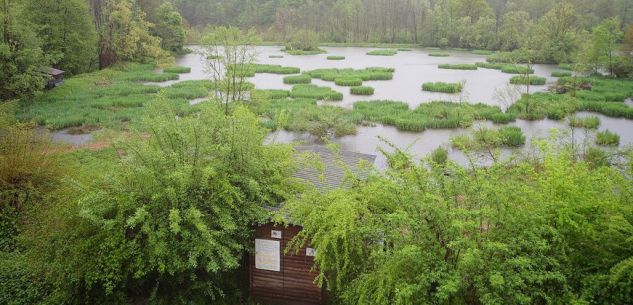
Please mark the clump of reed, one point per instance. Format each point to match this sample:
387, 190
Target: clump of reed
532, 80
482, 52
362, 90
298, 79
516, 69
458, 66
348, 81
179, 70
607, 138
443, 87
374, 73
335, 57
275, 69
439, 54
383, 52
591, 122
485, 138
561, 74
315, 92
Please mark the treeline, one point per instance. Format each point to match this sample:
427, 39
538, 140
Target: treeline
79, 36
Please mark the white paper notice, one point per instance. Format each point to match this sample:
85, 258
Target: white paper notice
267, 254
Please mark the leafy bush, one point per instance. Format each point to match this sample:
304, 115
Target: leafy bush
315, 92
561, 74
607, 138
443, 87
348, 81
334, 57
298, 79
362, 90
591, 122
439, 54
384, 52
458, 66
303, 40
532, 80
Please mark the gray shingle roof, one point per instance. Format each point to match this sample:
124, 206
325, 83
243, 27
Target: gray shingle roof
332, 174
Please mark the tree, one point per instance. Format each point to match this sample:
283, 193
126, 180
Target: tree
605, 38
21, 56
627, 47
67, 32
557, 30
304, 40
229, 54
169, 28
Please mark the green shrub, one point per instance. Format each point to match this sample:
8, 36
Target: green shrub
533, 80
177, 70
362, 90
303, 40
384, 52
591, 122
458, 66
348, 81
439, 54
298, 79
514, 69
561, 74
335, 57
443, 87
315, 92
607, 138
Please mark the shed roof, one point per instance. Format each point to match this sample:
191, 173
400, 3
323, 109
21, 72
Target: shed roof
332, 175
51, 71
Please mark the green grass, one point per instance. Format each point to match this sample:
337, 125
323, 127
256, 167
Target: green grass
374, 73
443, 87
335, 57
515, 69
565, 66
607, 138
270, 94
532, 80
510, 136
439, 54
303, 52
348, 81
561, 74
177, 70
428, 115
275, 69
110, 98
298, 79
603, 89
482, 52
591, 122
315, 92
383, 52
458, 66
362, 90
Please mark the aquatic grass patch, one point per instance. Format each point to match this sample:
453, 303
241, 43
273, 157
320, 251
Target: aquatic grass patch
439, 54
591, 122
617, 110
502, 118
190, 89
542, 105
150, 76
275, 69
383, 52
362, 90
607, 138
315, 92
335, 57
267, 94
561, 74
486, 138
431, 115
566, 66
488, 65
458, 66
298, 79
368, 74
443, 87
532, 80
515, 69
348, 81
482, 52
602, 89
178, 69
303, 52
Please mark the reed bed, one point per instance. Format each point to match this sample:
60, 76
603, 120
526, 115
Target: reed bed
607, 138
443, 87
384, 52
458, 66
298, 79
315, 92
362, 90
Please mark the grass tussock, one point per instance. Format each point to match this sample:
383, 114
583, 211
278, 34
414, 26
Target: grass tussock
458, 66
374, 73
561, 74
607, 138
348, 81
179, 70
439, 54
303, 52
362, 90
335, 57
298, 79
532, 80
482, 52
315, 92
383, 52
487, 138
443, 87
592, 122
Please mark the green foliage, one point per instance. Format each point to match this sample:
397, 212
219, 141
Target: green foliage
315, 92
607, 138
427, 115
384, 52
362, 90
439, 54
275, 69
170, 28
334, 57
18, 282
524, 80
482, 52
177, 70
298, 79
303, 40
348, 81
458, 66
443, 87
367, 74
561, 74
486, 139
591, 122
514, 69
542, 105
67, 32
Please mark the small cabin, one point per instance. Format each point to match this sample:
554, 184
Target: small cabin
55, 77
288, 279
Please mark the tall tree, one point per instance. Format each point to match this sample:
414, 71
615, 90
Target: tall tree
169, 27
605, 38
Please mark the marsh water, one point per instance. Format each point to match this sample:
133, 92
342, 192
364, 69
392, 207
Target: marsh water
412, 68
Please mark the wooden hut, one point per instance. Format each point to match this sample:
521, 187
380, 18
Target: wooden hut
55, 77
287, 279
